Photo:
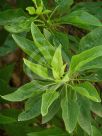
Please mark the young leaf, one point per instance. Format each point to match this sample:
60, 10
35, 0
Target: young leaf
47, 99
37, 69
69, 110
80, 60
31, 10
88, 90
80, 18
24, 92
57, 64
43, 45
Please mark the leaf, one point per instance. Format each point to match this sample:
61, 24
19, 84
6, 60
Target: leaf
33, 111
28, 47
11, 16
95, 131
88, 90
57, 64
49, 132
81, 19
51, 112
84, 118
95, 64
47, 99
63, 39
31, 10
6, 119
37, 69
93, 8
63, 4
24, 92
96, 108
80, 60
23, 25
46, 49
91, 40
69, 110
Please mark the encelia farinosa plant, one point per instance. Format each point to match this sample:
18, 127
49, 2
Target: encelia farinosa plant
60, 87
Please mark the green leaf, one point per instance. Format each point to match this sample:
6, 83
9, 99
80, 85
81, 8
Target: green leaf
80, 60
24, 92
31, 10
37, 69
91, 40
63, 4
49, 132
28, 47
33, 108
57, 64
47, 99
95, 131
69, 110
95, 64
23, 25
6, 119
96, 108
63, 39
88, 90
93, 8
81, 19
11, 16
84, 118
51, 112
46, 49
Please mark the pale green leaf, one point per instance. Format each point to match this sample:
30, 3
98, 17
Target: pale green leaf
31, 10
37, 69
57, 64
47, 100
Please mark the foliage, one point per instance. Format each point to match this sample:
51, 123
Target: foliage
64, 69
